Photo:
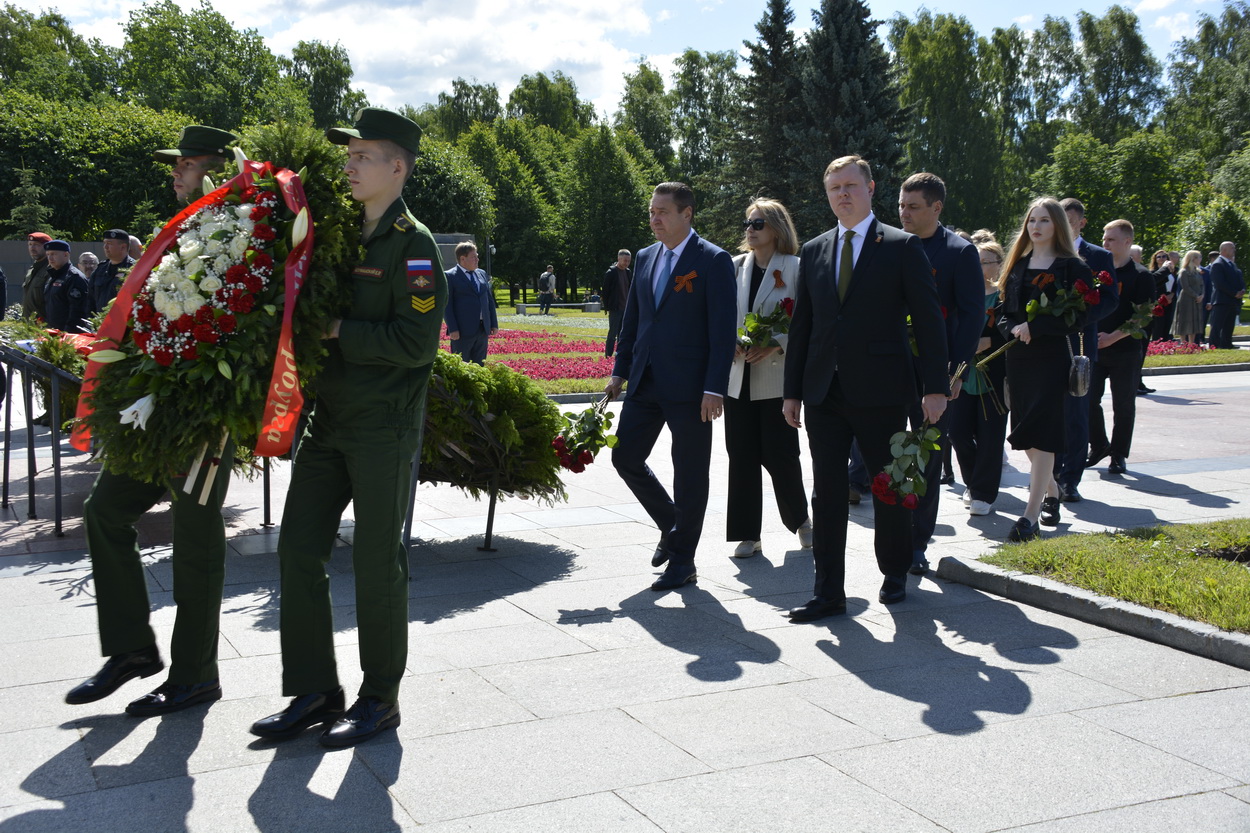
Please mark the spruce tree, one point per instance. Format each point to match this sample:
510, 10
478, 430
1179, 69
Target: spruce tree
849, 104
29, 214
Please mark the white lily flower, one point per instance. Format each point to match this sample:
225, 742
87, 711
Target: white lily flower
138, 413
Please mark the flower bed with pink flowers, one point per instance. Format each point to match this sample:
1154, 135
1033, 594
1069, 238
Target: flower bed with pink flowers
559, 363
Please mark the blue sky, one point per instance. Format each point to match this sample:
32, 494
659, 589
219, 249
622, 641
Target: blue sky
409, 53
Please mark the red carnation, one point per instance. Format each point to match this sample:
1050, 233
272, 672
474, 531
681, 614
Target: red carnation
183, 323
205, 333
189, 352
141, 339
253, 284
236, 273
911, 502
262, 262
204, 314
263, 232
240, 303
260, 212
163, 356
146, 313
787, 304
226, 323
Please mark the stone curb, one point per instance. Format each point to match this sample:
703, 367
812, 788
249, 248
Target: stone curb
1194, 368
1133, 619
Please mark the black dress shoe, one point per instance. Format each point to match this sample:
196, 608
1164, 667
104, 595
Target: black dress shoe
661, 553
919, 564
117, 671
1050, 511
893, 590
174, 697
1069, 494
1118, 465
818, 608
1024, 531
674, 576
947, 478
367, 717
304, 711
1096, 457
1143, 390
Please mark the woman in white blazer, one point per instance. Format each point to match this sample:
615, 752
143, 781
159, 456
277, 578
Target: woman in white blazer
756, 434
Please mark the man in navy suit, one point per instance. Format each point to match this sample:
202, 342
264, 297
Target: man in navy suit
1228, 286
961, 293
675, 349
1070, 465
849, 363
470, 313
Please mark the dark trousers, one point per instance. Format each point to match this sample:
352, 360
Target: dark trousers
978, 432
110, 512
1124, 374
471, 346
680, 517
831, 425
615, 317
924, 516
756, 434
372, 469
1070, 465
1223, 319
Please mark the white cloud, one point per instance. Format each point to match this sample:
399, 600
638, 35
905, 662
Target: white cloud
1152, 6
1023, 21
663, 15
1179, 25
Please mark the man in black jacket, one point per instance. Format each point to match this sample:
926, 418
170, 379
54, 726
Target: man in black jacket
613, 294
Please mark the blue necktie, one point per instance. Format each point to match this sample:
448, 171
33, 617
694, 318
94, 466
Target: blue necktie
662, 275
472, 276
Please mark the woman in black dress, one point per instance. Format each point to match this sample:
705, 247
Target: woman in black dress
1042, 261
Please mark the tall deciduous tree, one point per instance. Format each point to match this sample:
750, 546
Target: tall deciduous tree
1210, 74
849, 104
647, 110
43, 55
705, 102
551, 101
324, 72
1053, 69
1119, 90
950, 131
197, 63
448, 193
468, 104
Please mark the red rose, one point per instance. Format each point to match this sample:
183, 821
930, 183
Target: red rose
787, 304
577, 468
1092, 297
943, 313
911, 502
227, 323
263, 232
260, 212
558, 442
1104, 278
585, 457
183, 323
1080, 286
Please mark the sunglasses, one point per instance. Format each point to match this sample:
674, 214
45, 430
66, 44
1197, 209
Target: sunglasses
757, 224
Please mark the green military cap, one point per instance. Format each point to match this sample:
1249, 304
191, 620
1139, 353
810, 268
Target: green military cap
374, 123
198, 140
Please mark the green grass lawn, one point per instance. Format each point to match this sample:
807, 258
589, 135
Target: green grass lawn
1205, 357
1158, 567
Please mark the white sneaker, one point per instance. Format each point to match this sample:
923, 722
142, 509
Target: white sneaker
805, 535
979, 507
967, 498
747, 549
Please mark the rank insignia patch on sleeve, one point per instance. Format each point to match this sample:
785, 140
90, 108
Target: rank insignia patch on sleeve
420, 274
423, 303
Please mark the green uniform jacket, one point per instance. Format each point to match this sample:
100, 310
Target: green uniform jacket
392, 328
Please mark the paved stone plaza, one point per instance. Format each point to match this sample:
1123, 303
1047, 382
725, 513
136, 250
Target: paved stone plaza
550, 690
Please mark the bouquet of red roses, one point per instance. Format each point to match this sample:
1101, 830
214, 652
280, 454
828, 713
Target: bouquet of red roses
762, 330
584, 437
1066, 304
903, 481
1145, 312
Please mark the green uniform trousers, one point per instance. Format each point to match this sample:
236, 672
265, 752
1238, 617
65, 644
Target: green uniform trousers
114, 506
371, 468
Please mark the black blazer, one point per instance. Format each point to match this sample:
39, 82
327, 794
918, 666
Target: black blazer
864, 338
1013, 312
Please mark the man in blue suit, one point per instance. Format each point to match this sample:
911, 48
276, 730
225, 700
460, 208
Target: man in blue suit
1070, 465
1228, 286
470, 313
956, 269
675, 349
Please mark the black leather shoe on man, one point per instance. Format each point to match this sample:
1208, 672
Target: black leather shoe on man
367, 717
117, 671
1068, 494
674, 576
818, 608
304, 711
1118, 465
174, 697
661, 552
1096, 457
893, 590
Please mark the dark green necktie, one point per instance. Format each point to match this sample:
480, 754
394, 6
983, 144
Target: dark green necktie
846, 267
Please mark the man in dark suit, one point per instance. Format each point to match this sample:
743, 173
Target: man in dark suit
961, 294
1228, 286
470, 313
849, 362
1070, 465
613, 294
675, 349
1119, 355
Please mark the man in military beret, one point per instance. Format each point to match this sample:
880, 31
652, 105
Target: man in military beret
107, 277
36, 276
364, 429
65, 293
117, 502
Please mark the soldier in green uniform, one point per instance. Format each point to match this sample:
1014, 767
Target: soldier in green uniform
114, 506
364, 429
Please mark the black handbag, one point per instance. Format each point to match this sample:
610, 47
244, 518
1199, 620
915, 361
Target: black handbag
1080, 372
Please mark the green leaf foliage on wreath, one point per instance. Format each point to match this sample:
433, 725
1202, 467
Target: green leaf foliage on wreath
192, 412
489, 426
